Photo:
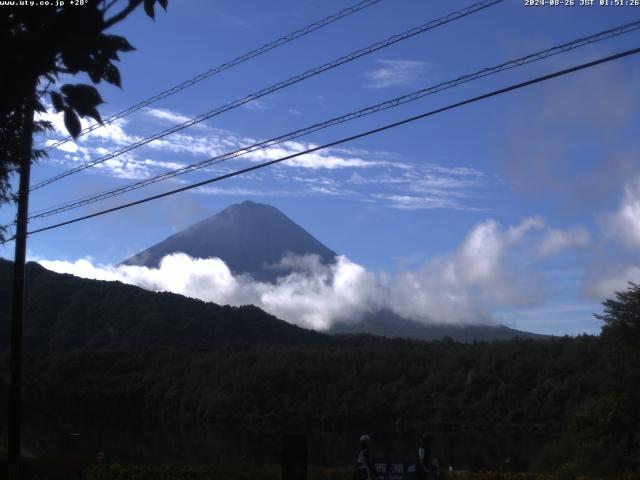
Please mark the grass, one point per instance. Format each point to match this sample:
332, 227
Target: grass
75, 469
273, 472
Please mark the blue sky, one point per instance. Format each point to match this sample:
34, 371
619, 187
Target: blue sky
525, 206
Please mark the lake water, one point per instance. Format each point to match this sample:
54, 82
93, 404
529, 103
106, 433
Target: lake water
204, 444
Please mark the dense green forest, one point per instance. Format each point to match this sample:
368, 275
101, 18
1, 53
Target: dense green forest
241, 365
445, 385
562, 384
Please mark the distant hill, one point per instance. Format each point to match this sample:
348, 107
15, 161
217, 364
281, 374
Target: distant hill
250, 237
388, 324
65, 312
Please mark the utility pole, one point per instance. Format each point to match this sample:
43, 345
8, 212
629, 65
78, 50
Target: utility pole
17, 301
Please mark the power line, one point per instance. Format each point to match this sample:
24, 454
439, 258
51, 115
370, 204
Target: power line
580, 42
493, 93
292, 80
280, 85
225, 66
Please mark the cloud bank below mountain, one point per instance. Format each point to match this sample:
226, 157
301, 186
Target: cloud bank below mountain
485, 272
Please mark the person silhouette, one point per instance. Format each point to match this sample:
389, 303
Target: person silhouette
363, 469
423, 462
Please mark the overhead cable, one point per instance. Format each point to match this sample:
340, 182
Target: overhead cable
493, 93
476, 7
244, 150
225, 66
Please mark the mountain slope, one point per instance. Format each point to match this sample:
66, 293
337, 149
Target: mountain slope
388, 324
65, 312
249, 237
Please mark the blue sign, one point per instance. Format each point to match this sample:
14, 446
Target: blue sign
394, 470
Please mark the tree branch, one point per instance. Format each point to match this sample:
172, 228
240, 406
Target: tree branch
124, 13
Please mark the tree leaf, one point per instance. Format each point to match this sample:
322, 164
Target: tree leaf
93, 113
72, 122
38, 107
95, 73
81, 95
108, 50
56, 100
83, 99
120, 43
42, 126
163, 4
112, 75
72, 60
148, 8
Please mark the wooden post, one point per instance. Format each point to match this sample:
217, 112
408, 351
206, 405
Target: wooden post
294, 457
17, 301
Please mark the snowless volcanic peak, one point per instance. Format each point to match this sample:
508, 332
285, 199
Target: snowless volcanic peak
250, 237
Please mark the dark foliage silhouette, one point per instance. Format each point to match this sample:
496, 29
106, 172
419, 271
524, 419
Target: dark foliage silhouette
39, 44
120, 353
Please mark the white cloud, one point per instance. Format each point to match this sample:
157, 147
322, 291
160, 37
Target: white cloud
256, 104
209, 145
69, 147
166, 165
556, 240
322, 159
415, 202
425, 178
319, 295
394, 73
515, 233
242, 192
462, 287
112, 133
468, 285
420, 187
168, 115
604, 285
624, 224
125, 167
388, 181
312, 297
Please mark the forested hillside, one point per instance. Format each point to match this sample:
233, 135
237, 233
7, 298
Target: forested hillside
105, 351
557, 385
443, 385
65, 312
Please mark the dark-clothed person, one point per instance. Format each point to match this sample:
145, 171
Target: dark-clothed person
363, 469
